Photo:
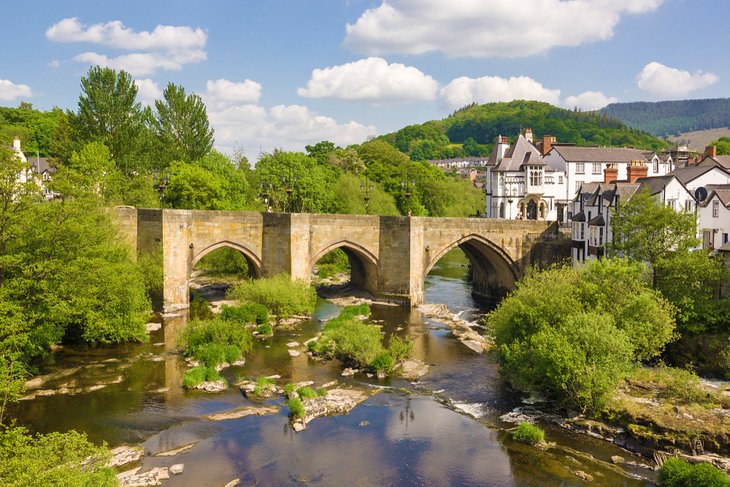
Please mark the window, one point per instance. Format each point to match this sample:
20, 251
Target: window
535, 176
580, 168
724, 238
656, 165
577, 185
581, 231
688, 205
600, 235
672, 204
715, 209
596, 168
560, 179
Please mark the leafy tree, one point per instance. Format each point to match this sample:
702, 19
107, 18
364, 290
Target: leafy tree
572, 333
349, 197
321, 150
108, 112
181, 125
647, 231
723, 146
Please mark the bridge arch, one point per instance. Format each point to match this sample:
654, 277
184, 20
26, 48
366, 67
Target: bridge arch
494, 272
254, 262
364, 264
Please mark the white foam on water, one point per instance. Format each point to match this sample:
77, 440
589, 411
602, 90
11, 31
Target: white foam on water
475, 409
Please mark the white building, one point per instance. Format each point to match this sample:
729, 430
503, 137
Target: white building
595, 204
714, 216
519, 184
38, 169
586, 165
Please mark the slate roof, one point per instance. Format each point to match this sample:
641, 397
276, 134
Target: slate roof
521, 153
41, 165
579, 217
601, 154
655, 184
590, 191
688, 174
597, 221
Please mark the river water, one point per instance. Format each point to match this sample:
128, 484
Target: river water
443, 430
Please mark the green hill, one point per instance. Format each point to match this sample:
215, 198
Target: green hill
665, 118
471, 130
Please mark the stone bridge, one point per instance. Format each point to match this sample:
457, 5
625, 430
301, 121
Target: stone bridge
389, 256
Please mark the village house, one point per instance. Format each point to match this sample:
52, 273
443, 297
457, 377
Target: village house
595, 203
520, 184
38, 169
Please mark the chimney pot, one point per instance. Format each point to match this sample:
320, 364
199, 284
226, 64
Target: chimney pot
16, 143
711, 151
610, 173
637, 169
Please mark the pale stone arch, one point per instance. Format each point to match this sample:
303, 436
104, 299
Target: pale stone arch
363, 264
254, 262
494, 271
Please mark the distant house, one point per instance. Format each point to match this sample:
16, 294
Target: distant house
459, 163
38, 169
520, 184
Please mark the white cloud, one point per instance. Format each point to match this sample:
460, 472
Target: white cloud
147, 91
371, 79
222, 92
165, 48
498, 28
289, 127
589, 100
9, 91
663, 81
144, 64
115, 34
462, 91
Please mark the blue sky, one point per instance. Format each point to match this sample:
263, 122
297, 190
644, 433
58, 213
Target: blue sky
290, 73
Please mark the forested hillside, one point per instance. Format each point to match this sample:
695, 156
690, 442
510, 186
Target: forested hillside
672, 117
471, 130
35, 128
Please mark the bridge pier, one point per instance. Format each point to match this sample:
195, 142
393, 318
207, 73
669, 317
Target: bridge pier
390, 256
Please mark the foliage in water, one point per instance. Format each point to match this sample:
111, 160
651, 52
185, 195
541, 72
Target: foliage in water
198, 375
215, 341
280, 294
246, 313
528, 433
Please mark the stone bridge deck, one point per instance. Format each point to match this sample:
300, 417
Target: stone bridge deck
389, 256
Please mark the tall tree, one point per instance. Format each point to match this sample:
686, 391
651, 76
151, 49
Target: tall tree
181, 125
647, 231
110, 113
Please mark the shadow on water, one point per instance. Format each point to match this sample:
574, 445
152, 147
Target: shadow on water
442, 430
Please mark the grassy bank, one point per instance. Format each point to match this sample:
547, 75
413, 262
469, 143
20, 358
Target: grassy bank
281, 295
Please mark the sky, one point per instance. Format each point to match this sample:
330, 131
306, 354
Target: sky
287, 73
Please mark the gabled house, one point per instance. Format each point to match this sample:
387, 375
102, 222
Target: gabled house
714, 217
39, 169
586, 164
596, 203
700, 175
520, 184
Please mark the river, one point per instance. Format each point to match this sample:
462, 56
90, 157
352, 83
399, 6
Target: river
443, 430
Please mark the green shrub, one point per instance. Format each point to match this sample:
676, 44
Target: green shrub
67, 459
676, 385
678, 473
265, 329
383, 362
215, 341
198, 375
349, 312
279, 294
224, 262
333, 263
321, 391
528, 433
355, 342
306, 392
296, 406
246, 313
150, 265
263, 385
289, 388
399, 348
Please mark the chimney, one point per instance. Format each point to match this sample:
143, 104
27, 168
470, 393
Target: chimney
528, 135
502, 147
547, 143
610, 173
637, 169
711, 151
16, 143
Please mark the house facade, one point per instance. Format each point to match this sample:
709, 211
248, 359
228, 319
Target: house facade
519, 184
39, 169
714, 217
583, 165
596, 203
